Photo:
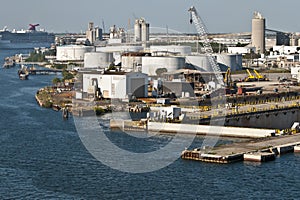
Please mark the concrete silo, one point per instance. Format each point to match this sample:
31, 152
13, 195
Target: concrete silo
258, 32
141, 31
137, 31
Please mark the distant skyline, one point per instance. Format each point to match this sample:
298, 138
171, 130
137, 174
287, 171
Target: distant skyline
219, 16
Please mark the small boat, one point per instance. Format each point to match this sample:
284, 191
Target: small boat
56, 107
23, 76
23, 73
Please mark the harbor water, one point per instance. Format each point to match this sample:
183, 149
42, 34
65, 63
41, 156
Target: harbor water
42, 157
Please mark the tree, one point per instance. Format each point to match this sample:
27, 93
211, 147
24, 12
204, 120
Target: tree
67, 75
55, 81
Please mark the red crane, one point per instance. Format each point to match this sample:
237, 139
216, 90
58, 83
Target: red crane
32, 27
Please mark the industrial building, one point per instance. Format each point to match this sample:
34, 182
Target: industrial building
113, 85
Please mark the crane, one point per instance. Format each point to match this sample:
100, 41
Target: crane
201, 29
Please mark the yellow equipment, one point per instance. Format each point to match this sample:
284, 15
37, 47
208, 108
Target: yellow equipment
260, 77
250, 77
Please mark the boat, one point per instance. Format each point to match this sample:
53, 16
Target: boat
9, 63
25, 39
23, 73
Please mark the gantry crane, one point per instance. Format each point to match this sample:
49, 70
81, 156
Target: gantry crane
201, 29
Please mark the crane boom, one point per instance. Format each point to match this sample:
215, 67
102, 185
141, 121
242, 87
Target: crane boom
201, 29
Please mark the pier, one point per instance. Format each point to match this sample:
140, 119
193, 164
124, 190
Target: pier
43, 71
256, 150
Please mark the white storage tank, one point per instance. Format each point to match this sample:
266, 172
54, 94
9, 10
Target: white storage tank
98, 60
151, 64
72, 52
132, 61
176, 49
119, 50
234, 61
200, 62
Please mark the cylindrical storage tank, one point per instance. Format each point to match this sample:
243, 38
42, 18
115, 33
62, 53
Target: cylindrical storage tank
151, 64
201, 62
72, 52
118, 50
137, 31
234, 61
176, 49
258, 32
132, 62
98, 60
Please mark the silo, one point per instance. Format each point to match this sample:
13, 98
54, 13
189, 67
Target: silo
151, 64
145, 33
258, 32
137, 31
98, 60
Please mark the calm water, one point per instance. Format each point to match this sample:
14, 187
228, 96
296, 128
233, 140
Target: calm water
42, 157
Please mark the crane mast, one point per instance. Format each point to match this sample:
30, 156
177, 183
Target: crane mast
202, 32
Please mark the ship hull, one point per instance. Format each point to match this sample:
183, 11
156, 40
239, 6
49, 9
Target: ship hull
23, 45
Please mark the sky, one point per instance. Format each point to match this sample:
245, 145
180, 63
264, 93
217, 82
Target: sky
219, 16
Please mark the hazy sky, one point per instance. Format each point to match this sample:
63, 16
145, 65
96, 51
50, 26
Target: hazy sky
218, 15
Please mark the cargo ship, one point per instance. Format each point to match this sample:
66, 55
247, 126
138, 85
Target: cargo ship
25, 39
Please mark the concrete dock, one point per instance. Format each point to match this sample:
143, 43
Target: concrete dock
256, 150
210, 130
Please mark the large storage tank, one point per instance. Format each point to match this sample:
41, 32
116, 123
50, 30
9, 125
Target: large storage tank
200, 62
119, 50
132, 61
258, 32
72, 52
234, 61
180, 50
98, 60
151, 64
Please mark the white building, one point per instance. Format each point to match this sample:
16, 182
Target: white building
286, 50
115, 85
241, 50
